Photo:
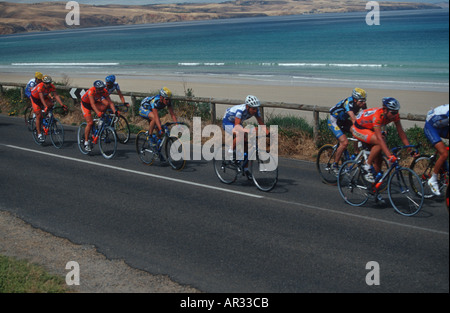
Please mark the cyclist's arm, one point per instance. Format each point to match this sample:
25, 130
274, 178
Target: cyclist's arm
121, 96
94, 106
157, 120
352, 116
261, 122
402, 135
172, 113
58, 98
111, 104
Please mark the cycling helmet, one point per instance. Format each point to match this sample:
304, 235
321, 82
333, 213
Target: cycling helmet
359, 94
110, 79
165, 93
99, 84
47, 79
252, 101
391, 104
38, 75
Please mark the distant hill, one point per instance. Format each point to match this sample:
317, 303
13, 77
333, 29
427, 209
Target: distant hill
18, 17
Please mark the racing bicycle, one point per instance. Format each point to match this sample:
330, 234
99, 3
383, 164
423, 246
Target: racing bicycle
262, 167
167, 149
405, 190
326, 155
423, 166
50, 126
101, 133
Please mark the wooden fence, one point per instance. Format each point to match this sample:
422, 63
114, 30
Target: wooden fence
315, 109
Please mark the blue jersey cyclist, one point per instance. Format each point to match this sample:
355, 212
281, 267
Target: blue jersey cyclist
150, 106
234, 116
112, 85
436, 127
342, 117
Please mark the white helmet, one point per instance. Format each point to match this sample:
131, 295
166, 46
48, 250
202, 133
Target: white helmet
252, 101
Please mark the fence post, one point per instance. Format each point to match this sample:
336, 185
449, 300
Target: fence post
1, 90
133, 103
213, 112
316, 126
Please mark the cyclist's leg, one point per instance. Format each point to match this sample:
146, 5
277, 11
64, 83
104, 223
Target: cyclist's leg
89, 122
37, 108
340, 136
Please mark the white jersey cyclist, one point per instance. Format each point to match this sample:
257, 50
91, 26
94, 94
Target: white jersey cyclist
238, 111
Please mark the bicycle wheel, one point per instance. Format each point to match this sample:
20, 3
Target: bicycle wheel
144, 150
423, 166
57, 134
34, 132
352, 186
264, 170
28, 116
81, 136
324, 161
122, 129
405, 191
108, 142
175, 153
225, 169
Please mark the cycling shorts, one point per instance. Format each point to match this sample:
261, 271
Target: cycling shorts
228, 126
433, 134
362, 134
37, 104
338, 127
143, 112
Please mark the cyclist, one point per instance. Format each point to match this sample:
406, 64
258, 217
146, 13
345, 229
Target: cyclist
234, 116
42, 96
32, 83
95, 99
112, 85
367, 128
150, 106
436, 126
342, 117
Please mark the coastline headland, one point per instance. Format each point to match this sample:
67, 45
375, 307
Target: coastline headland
46, 16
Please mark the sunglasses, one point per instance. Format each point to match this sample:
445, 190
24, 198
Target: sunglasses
394, 112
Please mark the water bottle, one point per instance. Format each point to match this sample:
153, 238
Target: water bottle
45, 121
378, 177
353, 157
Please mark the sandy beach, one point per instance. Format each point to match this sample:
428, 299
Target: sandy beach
236, 88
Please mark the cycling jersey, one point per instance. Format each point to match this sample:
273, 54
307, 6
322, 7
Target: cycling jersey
370, 118
341, 109
113, 88
238, 111
153, 102
438, 117
436, 125
31, 84
150, 103
42, 88
97, 94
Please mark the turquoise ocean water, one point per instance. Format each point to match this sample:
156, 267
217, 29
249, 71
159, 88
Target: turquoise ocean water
408, 49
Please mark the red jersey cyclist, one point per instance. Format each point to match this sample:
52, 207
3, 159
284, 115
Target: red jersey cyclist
95, 99
367, 128
41, 99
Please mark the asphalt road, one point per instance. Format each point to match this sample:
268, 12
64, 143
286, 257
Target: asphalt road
301, 237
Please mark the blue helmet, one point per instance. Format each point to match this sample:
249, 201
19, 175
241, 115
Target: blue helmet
391, 104
110, 79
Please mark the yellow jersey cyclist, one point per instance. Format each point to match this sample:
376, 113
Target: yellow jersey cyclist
150, 106
342, 117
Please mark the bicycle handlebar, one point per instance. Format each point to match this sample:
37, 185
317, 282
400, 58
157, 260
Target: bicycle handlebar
397, 149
